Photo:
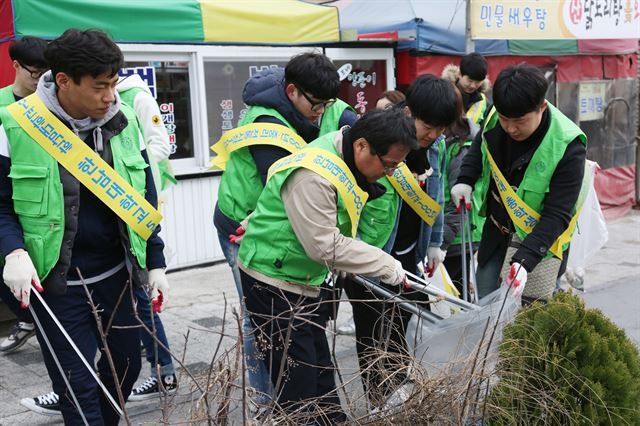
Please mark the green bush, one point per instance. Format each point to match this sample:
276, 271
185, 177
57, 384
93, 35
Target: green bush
563, 364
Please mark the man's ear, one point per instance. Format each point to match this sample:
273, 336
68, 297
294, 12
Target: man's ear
544, 105
16, 65
291, 91
63, 81
360, 144
407, 111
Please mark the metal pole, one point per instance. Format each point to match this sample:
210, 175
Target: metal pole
474, 284
463, 250
469, 44
389, 296
433, 291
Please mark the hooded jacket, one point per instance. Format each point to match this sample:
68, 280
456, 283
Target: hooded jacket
452, 73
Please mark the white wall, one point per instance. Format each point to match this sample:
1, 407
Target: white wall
187, 227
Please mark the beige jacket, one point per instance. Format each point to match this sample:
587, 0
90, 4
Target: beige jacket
311, 203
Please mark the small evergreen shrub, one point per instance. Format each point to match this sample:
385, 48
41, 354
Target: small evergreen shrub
563, 364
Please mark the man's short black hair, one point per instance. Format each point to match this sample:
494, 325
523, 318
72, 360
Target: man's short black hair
385, 127
29, 51
315, 74
474, 65
78, 53
432, 100
519, 90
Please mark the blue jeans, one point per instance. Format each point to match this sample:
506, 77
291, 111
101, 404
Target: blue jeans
488, 275
151, 320
258, 375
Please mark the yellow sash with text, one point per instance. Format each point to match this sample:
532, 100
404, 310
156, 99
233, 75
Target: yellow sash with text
85, 165
409, 189
254, 134
332, 168
523, 216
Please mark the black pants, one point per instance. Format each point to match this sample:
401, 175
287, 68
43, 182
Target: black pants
302, 362
380, 334
74, 313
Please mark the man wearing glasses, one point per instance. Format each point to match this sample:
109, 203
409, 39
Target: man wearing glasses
27, 55
29, 64
302, 97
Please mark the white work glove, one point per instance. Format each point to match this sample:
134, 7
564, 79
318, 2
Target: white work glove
516, 279
19, 274
395, 277
159, 289
461, 191
433, 259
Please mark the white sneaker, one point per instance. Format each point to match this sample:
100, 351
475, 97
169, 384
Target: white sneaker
47, 404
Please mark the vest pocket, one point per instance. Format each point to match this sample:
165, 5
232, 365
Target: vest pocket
30, 189
35, 248
135, 166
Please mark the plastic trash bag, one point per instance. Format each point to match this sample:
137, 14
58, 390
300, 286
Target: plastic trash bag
452, 343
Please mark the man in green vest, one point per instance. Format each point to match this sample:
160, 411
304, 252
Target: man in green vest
302, 97
27, 55
471, 79
529, 161
304, 227
56, 232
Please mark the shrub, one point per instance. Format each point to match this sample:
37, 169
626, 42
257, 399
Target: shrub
563, 364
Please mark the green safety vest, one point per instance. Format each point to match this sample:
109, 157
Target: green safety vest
535, 183
378, 216
330, 119
270, 246
240, 185
477, 110
6, 96
38, 194
161, 169
477, 221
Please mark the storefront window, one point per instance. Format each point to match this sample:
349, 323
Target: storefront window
363, 83
169, 83
224, 82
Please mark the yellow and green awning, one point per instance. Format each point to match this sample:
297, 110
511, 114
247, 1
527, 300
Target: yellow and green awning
272, 22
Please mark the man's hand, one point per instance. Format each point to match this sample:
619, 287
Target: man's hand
461, 192
19, 274
517, 278
159, 289
237, 237
395, 277
434, 257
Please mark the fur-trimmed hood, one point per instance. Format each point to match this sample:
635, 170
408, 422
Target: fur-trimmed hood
452, 73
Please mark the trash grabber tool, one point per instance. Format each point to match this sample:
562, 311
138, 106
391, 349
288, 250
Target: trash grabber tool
77, 351
402, 303
436, 292
472, 281
463, 251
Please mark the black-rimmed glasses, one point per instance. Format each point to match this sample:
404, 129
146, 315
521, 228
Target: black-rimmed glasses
34, 74
316, 106
387, 169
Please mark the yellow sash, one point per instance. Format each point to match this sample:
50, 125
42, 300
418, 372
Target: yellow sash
332, 168
85, 165
523, 216
254, 134
408, 187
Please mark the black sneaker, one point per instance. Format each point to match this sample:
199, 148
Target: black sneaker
150, 388
48, 404
20, 333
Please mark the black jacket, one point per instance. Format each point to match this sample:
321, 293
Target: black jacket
512, 158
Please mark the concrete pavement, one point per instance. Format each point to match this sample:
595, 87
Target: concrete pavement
202, 301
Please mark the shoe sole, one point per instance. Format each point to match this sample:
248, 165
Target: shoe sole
22, 342
30, 404
156, 395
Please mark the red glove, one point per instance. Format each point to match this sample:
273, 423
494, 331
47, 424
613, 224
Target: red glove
237, 237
